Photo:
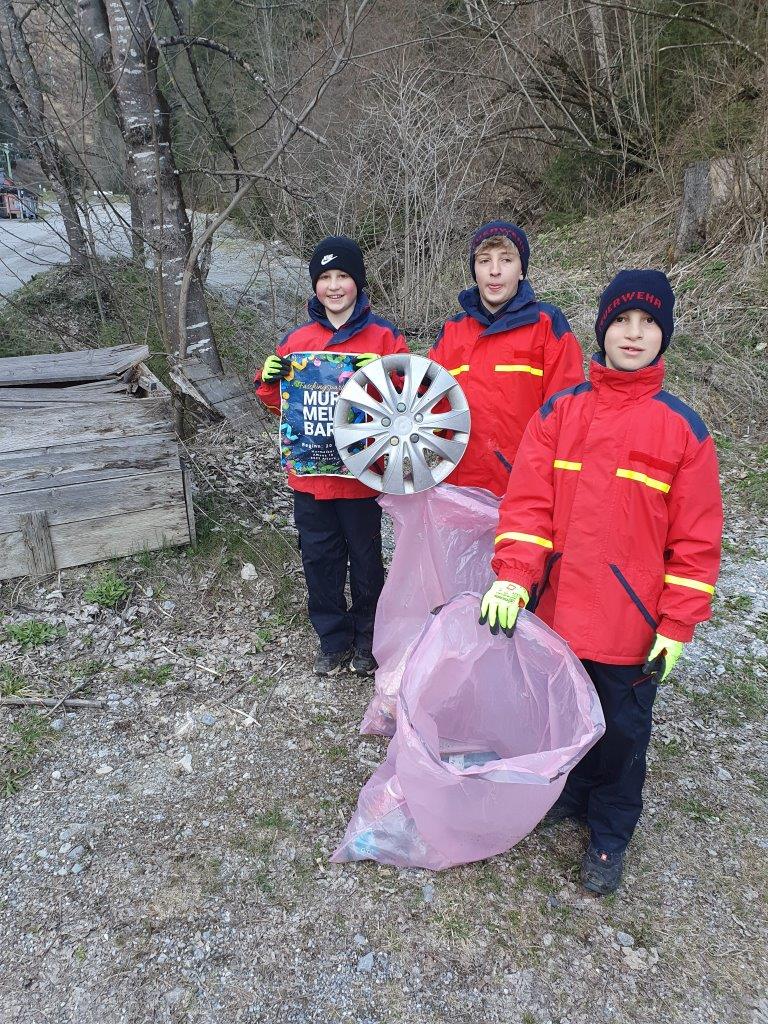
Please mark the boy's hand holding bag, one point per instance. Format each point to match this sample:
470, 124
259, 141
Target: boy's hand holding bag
501, 604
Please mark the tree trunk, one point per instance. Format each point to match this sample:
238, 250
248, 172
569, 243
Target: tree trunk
123, 44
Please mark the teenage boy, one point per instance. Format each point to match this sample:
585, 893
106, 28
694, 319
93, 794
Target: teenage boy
508, 351
612, 524
338, 518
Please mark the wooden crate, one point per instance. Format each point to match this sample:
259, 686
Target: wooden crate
89, 463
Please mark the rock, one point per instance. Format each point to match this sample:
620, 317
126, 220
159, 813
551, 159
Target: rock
428, 892
104, 769
76, 853
57, 724
248, 571
365, 964
184, 764
548, 939
207, 718
625, 939
360, 940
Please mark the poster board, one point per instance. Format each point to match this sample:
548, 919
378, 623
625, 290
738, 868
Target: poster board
307, 402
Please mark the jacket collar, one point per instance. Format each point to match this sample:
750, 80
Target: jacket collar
522, 309
360, 318
625, 385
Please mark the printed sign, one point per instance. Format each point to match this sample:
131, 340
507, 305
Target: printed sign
308, 399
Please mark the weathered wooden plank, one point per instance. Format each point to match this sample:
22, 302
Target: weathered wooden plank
197, 371
29, 424
36, 538
233, 409
94, 500
189, 503
97, 539
112, 391
62, 367
60, 465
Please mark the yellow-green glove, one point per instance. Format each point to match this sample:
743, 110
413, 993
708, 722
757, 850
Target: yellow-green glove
364, 359
274, 368
662, 657
501, 604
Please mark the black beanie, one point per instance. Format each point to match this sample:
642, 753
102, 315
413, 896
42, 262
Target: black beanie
338, 253
515, 234
648, 290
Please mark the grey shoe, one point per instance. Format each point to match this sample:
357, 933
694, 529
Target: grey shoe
330, 664
600, 871
364, 663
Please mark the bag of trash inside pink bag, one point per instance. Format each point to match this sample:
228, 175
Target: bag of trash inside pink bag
443, 547
487, 730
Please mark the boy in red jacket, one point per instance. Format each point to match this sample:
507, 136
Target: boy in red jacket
338, 519
612, 524
508, 351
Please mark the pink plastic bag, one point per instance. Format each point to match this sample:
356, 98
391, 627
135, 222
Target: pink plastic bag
443, 547
487, 730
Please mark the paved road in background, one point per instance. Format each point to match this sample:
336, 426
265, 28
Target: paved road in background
238, 265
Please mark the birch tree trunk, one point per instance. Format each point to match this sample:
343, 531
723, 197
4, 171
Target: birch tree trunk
121, 38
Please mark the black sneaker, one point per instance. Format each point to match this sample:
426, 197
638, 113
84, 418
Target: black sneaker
600, 871
364, 663
330, 664
560, 810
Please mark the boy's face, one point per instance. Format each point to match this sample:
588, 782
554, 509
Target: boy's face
337, 292
498, 272
632, 341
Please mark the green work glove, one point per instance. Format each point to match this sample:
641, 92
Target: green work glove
662, 657
275, 368
501, 604
364, 359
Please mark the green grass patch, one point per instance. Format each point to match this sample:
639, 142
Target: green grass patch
33, 633
20, 751
11, 684
273, 818
148, 675
108, 590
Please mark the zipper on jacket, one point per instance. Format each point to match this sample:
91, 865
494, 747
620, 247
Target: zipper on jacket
633, 596
540, 586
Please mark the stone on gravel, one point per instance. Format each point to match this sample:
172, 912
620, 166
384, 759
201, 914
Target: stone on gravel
365, 964
625, 939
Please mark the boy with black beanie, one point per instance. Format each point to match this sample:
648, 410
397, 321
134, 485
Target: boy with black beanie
508, 351
338, 518
611, 531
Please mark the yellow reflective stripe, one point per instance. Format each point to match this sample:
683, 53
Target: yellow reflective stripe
630, 474
528, 537
563, 464
693, 584
518, 368
459, 369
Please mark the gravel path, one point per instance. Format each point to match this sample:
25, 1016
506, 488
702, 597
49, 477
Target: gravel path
165, 857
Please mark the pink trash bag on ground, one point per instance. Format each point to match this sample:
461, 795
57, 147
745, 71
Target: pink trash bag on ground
487, 730
443, 547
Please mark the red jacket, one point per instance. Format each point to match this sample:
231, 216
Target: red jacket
613, 515
508, 367
363, 332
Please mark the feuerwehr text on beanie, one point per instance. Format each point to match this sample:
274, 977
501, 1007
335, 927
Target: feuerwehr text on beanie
648, 290
338, 253
515, 234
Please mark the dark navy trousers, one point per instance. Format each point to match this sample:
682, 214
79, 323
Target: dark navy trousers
334, 535
607, 784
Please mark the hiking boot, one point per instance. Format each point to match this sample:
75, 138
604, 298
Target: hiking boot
364, 663
560, 810
330, 664
600, 871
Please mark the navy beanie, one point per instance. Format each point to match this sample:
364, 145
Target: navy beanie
515, 234
648, 290
338, 253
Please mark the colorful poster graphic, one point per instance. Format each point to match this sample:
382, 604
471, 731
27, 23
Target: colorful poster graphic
308, 399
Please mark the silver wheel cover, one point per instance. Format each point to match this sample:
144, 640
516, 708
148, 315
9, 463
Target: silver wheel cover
399, 426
